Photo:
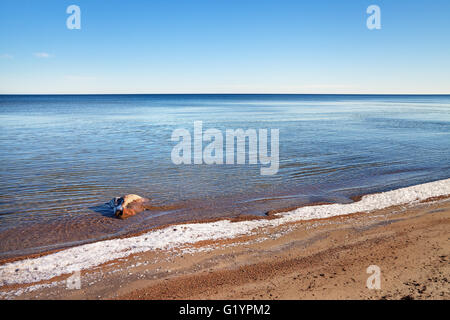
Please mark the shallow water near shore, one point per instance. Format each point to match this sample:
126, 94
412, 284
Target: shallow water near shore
64, 157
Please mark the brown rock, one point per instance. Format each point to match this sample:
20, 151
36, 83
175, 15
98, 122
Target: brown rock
129, 205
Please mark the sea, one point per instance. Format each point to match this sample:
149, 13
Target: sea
64, 157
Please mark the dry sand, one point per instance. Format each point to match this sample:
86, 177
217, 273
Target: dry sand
322, 259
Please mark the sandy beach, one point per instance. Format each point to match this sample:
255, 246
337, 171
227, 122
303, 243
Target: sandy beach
315, 259
216, 152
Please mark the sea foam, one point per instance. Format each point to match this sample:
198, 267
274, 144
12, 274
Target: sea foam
94, 254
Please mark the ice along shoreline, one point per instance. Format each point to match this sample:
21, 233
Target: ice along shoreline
90, 255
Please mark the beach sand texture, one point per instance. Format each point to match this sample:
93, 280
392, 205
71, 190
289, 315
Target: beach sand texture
298, 259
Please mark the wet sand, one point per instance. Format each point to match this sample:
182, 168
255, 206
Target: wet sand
68, 231
318, 259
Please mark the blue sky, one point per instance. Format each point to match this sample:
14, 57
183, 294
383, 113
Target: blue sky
218, 46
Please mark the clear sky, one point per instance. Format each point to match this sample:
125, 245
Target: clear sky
224, 46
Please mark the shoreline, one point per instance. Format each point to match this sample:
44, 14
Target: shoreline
269, 214
161, 216
256, 231
327, 261
38, 239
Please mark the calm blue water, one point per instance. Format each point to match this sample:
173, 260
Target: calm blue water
63, 157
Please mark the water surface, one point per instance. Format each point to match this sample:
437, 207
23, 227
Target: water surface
64, 156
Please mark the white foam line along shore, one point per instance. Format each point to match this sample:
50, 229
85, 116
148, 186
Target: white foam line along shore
90, 255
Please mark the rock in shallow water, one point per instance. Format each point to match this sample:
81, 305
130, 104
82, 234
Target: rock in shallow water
129, 205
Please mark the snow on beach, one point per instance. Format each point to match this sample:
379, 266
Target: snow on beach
90, 255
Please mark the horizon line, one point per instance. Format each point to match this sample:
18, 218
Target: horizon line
227, 93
